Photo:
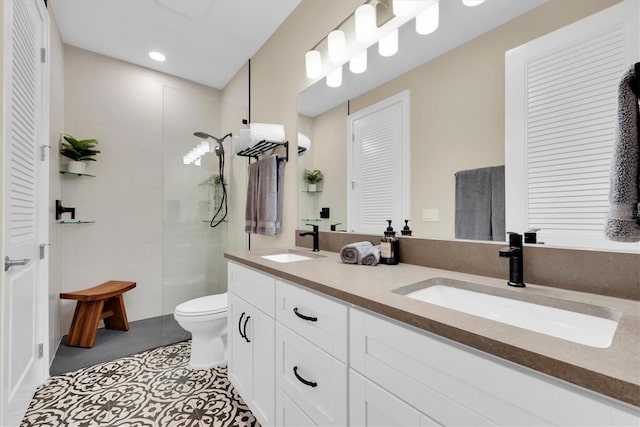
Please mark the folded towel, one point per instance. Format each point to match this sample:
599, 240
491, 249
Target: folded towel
353, 252
263, 213
623, 222
372, 257
304, 144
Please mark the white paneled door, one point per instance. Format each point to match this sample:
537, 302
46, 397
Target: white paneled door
24, 207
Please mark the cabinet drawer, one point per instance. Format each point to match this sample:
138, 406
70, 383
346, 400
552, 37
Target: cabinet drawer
370, 405
313, 379
457, 385
253, 286
319, 319
288, 414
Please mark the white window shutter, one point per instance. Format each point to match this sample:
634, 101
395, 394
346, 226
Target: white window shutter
561, 101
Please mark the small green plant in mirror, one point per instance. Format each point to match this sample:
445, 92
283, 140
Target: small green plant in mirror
82, 150
313, 176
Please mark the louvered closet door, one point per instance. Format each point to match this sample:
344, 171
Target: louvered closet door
561, 123
378, 168
22, 321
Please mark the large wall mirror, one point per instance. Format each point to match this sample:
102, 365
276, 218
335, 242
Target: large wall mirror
456, 81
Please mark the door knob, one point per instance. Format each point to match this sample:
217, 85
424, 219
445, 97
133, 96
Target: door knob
8, 262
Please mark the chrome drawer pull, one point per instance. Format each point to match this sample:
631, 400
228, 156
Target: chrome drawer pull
302, 316
302, 380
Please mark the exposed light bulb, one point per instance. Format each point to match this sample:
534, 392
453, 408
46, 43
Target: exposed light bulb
429, 20
337, 47
334, 78
388, 45
358, 63
157, 56
365, 23
313, 64
472, 3
405, 7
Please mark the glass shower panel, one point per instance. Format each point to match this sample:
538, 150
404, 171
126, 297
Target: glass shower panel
193, 262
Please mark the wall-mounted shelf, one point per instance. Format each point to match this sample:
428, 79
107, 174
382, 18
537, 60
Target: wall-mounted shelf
316, 191
76, 174
262, 147
312, 219
75, 221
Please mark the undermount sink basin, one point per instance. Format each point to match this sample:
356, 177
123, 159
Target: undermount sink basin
577, 322
292, 256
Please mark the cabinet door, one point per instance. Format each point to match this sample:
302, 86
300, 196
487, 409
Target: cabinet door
251, 357
239, 350
288, 414
370, 405
316, 381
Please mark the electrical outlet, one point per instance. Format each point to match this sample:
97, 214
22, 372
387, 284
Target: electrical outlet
430, 215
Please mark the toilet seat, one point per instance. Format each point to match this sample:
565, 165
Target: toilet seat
203, 306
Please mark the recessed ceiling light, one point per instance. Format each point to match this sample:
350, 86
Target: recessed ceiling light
157, 56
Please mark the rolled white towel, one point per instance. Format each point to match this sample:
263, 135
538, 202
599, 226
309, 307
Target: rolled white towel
304, 144
242, 141
372, 257
266, 132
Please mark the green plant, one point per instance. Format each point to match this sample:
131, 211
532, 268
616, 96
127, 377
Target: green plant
313, 176
79, 150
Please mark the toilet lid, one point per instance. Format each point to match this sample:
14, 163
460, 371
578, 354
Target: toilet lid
211, 304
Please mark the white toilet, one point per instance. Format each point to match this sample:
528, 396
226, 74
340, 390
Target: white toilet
206, 319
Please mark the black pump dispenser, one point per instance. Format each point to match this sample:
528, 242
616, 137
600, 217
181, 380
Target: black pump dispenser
389, 247
406, 231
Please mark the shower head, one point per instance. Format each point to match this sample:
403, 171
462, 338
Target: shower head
218, 149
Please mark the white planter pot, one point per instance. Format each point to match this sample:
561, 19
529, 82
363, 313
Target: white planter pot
77, 167
311, 188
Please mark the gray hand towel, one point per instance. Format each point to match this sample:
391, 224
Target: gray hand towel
372, 257
263, 213
353, 252
473, 204
623, 223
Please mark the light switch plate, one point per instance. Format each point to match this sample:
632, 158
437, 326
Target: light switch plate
430, 215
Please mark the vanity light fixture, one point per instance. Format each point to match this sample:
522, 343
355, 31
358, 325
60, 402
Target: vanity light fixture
337, 46
157, 56
388, 45
313, 64
358, 63
365, 23
429, 20
334, 78
472, 3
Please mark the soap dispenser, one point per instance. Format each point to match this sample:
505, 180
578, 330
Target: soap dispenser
406, 231
389, 247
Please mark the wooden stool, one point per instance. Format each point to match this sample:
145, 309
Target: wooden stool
100, 302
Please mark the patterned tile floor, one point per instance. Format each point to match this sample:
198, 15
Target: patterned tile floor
154, 388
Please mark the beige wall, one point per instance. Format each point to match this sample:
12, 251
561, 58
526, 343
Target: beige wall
277, 75
235, 108
121, 105
457, 108
56, 127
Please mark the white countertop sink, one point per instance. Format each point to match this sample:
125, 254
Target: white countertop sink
573, 325
292, 256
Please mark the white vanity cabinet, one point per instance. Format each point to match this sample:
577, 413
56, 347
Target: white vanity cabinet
441, 382
311, 357
251, 338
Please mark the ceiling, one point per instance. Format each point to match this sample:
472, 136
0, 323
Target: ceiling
206, 41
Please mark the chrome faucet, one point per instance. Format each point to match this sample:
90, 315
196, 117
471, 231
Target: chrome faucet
315, 233
515, 254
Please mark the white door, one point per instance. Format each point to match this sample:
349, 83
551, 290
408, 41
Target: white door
24, 208
378, 166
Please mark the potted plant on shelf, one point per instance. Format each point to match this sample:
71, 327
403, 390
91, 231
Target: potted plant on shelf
78, 152
312, 177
